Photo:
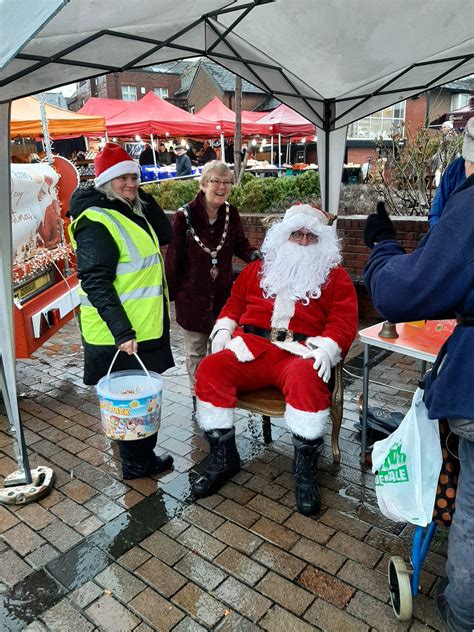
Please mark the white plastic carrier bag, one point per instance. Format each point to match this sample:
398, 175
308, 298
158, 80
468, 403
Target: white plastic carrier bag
407, 465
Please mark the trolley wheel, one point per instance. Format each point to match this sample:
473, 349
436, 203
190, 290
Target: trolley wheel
400, 588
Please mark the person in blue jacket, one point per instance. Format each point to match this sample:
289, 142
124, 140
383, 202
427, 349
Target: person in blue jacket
454, 176
437, 280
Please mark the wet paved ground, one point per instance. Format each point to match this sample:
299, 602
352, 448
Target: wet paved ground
101, 554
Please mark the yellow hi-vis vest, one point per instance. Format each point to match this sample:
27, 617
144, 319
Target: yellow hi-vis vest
139, 281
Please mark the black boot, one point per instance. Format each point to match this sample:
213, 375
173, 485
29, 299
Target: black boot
194, 404
139, 460
224, 462
305, 467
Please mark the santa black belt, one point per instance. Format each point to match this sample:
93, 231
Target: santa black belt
275, 334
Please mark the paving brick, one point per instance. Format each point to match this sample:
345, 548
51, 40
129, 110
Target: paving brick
166, 580
54, 497
60, 535
23, 539
12, 568
310, 528
122, 584
200, 571
35, 516
358, 551
278, 560
279, 620
326, 586
41, 556
156, 611
209, 503
427, 579
89, 525
243, 599
266, 488
202, 518
370, 581
237, 513
346, 523
7, 520
199, 604
130, 499
285, 593
70, 512
332, 619
275, 533
236, 492
424, 609
104, 508
185, 625
63, 616
240, 538
269, 508
201, 542
240, 566
134, 558
110, 615
85, 595
377, 614
163, 547
318, 555
79, 491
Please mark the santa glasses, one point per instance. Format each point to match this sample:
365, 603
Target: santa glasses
298, 235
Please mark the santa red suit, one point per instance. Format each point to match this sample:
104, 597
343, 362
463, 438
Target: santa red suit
289, 320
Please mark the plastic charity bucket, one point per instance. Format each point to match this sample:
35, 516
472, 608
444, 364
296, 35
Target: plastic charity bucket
130, 402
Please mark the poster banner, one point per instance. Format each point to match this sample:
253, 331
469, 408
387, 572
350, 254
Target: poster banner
35, 211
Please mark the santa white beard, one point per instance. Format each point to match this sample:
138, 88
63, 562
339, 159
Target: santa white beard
299, 272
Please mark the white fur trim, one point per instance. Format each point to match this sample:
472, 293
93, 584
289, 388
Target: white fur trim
306, 210
119, 169
296, 348
283, 310
223, 323
211, 417
329, 345
306, 425
237, 345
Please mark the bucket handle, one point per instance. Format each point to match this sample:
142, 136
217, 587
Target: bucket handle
141, 364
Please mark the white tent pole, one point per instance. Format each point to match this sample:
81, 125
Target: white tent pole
271, 150
279, 150
331, 147
154, 155
7, 341
222, 147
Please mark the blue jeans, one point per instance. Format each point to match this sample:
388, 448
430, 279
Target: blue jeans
460, 567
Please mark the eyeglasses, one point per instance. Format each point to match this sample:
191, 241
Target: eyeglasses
217, 183
299, 236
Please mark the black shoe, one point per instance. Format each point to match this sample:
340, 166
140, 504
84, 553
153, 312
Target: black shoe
158, 464
194, 404
453, 623
305, 468
224, 462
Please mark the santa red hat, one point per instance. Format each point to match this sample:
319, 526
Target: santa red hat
307, 210
111, 162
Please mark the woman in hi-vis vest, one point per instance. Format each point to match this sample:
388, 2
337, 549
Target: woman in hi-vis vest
116, 231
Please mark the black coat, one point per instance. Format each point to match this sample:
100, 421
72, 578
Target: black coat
97, 258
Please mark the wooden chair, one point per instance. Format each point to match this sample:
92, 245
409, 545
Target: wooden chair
269, 402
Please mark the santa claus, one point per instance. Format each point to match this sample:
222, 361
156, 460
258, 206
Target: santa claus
289, 320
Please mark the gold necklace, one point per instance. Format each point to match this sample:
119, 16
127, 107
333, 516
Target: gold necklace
214, 271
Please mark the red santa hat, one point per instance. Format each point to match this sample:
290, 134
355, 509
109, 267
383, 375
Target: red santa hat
308, 211
111, 162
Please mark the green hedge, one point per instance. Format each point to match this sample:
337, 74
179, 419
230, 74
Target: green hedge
254, 195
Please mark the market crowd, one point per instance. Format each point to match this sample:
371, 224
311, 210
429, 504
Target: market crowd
287, 321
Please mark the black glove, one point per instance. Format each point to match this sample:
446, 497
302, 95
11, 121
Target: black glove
256, 254
378, 227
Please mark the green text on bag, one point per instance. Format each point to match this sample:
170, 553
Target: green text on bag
394, 469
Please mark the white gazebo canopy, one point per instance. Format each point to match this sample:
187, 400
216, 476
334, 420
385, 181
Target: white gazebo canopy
333, 61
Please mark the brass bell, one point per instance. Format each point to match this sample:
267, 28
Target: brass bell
389, 330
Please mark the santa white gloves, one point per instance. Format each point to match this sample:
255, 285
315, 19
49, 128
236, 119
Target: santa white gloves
322, 362
221, 340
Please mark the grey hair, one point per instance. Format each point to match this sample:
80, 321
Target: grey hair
214, 166
109, 192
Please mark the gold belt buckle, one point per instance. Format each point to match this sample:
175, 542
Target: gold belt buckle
277, 330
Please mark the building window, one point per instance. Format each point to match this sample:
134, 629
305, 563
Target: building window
161, 92
379, 125
459, 101
129, 93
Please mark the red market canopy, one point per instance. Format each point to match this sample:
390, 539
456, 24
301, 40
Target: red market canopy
287, 122
224, 119
153, 115
104, 107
